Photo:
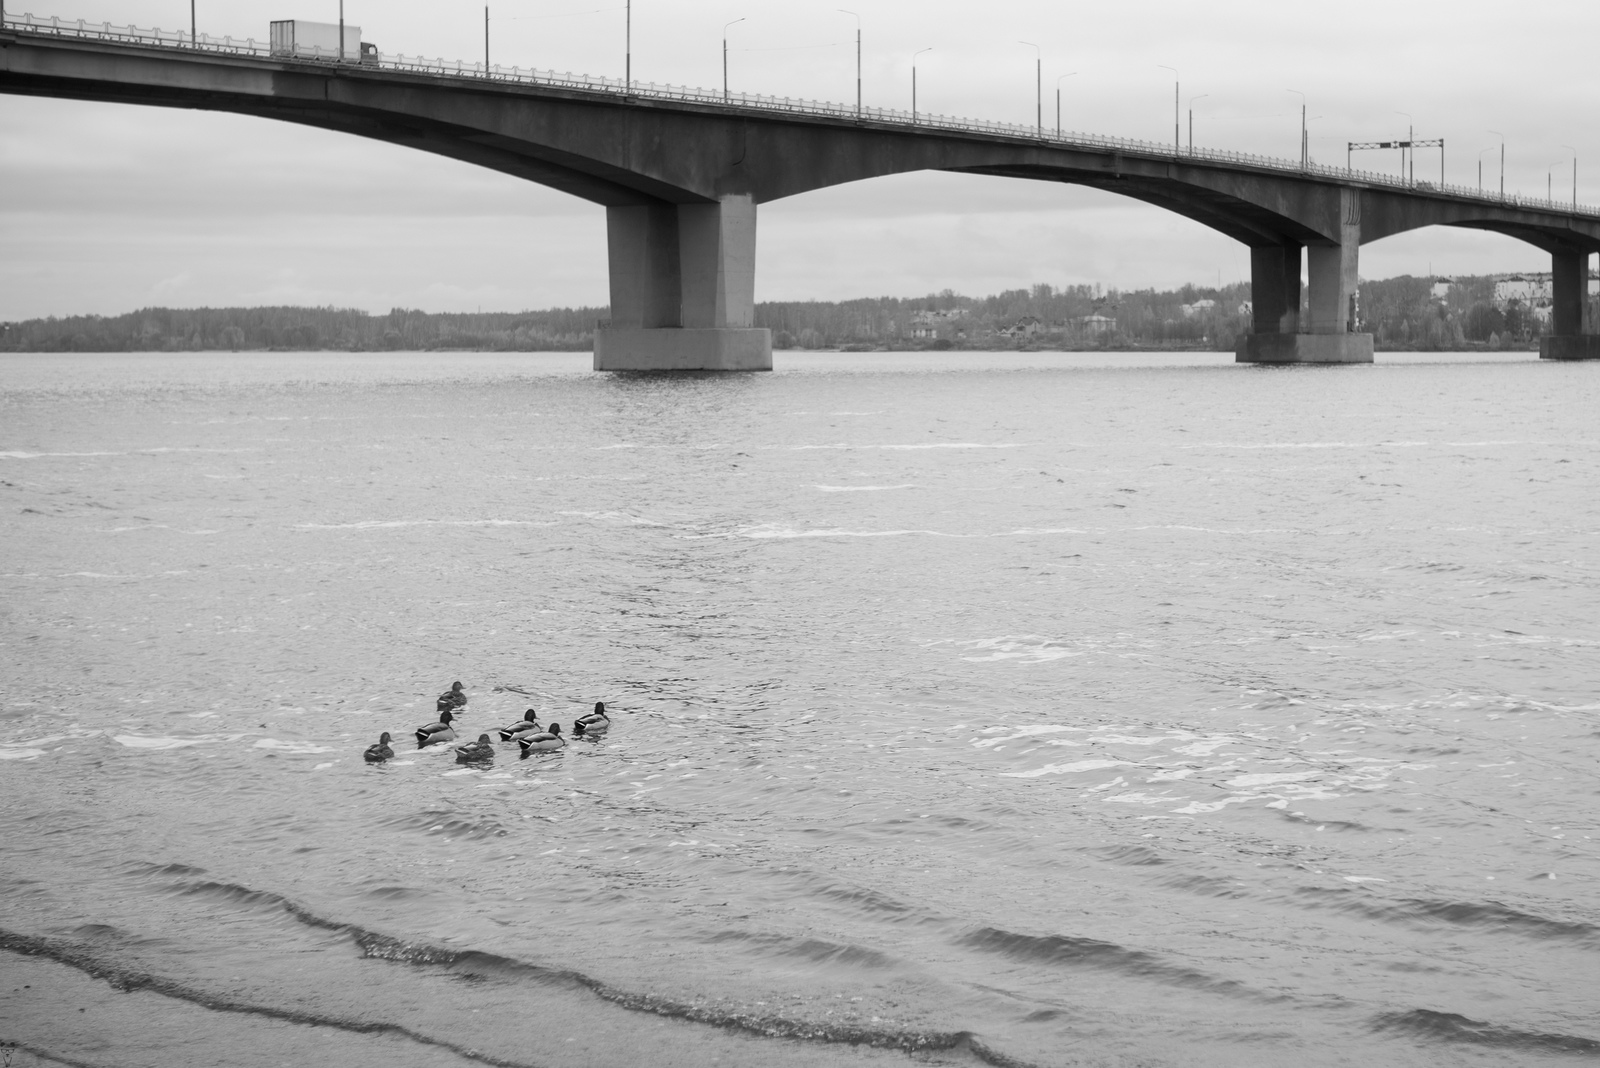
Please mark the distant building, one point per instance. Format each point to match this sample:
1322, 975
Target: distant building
1093, 325
1247, 308
1441, 289
1027, 326
1191, 310
1530, 289
932, 324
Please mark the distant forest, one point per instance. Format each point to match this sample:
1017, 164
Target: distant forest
1402, 314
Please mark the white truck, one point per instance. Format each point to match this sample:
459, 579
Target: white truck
316, 40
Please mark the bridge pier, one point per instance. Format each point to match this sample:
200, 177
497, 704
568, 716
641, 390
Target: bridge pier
682, 289
1571, 337
1331, 273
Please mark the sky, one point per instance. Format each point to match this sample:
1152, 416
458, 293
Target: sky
110, 208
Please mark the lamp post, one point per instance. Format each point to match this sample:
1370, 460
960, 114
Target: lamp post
194, 36
1304, 139
914, 56
1176, 77
1502, 137
1058, 102
1574, 152
735, 22
341, 28
853, 15
1192, 99
1038, 86
627, 47
485, 40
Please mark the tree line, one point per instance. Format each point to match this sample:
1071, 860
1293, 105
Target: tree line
1401, 313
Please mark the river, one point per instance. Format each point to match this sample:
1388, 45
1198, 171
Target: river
1009, 709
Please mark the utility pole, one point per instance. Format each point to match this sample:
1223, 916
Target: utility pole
853, 15
1177, 104
194, 35
725, 57
1058, 102
627, 45
485, 40
1502, 137
1038, 87
1574, 152
1192, 99
914, 56
341, 29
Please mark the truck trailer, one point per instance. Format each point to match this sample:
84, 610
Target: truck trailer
315, 40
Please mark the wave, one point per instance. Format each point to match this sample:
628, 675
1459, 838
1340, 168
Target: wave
940, 445
390, 524
127, 980
449, 824
1425, 1023
1065, 951
1487, 916
378, 946
773, 530
815, 950
863, 489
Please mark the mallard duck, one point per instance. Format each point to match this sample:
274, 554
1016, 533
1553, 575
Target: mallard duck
452, 699
482, 749
593, 723
529, 724
550, 739
377, 754
437, 732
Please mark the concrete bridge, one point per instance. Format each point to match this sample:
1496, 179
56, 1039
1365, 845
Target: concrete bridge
681, 173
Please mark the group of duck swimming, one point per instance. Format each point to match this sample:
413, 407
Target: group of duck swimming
527, 732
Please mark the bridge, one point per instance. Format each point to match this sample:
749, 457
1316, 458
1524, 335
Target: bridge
682, 171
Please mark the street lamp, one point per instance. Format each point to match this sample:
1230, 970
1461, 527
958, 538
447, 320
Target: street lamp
1502, 137
1176, 143
1058, 101
1304, 142
735, 22
853, 15
194, 36
627, 45
1038, 86
914, 56
341, 27
1574, 152
1192, 99
1411, 135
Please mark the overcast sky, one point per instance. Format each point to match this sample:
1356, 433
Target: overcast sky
109, 208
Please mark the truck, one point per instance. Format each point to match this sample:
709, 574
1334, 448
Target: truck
300, 39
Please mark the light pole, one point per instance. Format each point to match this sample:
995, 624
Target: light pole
341, 28
1303, 136
853, 15
627, 47
1058, 100
1574, 152
1192, 99
485, 40
1176, 143
1038, 86
735, 22
1502, 137
914, 56
194, 36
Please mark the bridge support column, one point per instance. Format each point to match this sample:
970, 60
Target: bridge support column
682, 289
1331, 270
1570, 337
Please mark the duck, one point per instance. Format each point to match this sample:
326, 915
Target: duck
452, 699
594, 723
529, 724
377, 754
482, 749
437, 732
550, 739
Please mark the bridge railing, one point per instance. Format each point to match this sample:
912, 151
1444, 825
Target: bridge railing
616, 87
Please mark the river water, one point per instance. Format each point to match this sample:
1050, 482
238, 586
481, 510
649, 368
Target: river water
1018, 709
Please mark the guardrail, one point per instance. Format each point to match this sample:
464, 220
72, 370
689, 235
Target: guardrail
616, 87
